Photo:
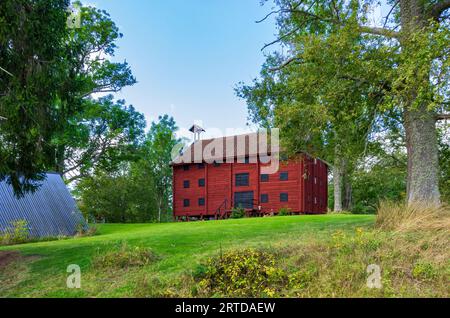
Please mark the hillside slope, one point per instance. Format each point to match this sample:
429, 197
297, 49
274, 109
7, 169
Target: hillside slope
180, 247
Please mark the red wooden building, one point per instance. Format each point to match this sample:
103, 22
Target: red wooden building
211, 190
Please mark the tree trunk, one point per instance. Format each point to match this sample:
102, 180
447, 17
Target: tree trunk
348, 193
337, 180
423, 159
419, 122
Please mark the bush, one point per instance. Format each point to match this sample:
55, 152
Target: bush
237, 213
124, 256
284, 212
18, 233
242, 273
83, 231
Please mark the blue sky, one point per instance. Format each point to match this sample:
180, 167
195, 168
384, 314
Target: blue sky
188, 55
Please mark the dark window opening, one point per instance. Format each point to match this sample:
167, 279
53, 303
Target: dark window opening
186, 184
284, 176
264, 198
186, 168
243, 200
216, 164
201, 202
242, 180
264, 178
200, 166
186, 203
284, 197
201, 182
247, 160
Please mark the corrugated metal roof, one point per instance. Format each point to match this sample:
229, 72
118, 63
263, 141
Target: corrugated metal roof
50, 211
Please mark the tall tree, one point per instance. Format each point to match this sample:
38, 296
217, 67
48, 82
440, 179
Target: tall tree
48, 74
402, 63
32, 69
157, 156
104, 135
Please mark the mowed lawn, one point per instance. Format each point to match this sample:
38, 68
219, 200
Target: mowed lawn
180, 247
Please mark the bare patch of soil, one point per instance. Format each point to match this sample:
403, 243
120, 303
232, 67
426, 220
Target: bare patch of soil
8, 257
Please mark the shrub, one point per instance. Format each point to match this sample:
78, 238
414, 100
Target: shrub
238, 213
124, 256
424, 271
83, 231
18, 233
241, 273
284, 212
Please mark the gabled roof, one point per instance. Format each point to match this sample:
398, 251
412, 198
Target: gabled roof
230, 147
223, 148
49, 212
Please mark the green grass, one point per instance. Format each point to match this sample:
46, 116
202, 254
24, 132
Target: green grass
180, 247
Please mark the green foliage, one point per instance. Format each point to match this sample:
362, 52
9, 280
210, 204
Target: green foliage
284, 212
156, 158
138, 191
122, 197
18, 233
241, 273
52, 122
238, 213
104, 136
444, 159
124, 256
32, 74
424, 271
385, 180
344, 88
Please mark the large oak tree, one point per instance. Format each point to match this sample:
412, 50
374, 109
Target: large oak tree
397, 67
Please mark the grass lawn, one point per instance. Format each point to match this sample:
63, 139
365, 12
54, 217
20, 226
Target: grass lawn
180, 247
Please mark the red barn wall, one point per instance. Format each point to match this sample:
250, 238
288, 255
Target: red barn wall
307, 187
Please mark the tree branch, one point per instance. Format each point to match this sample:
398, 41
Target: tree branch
285, 63
439, 8
442, 117
379, 31
390, 12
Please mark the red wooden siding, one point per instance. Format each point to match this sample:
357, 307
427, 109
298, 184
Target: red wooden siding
307, 187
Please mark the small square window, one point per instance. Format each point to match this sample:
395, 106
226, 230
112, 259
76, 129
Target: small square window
200, 166
186, 168
201, 202
284, 176
186, 184
201, 182
264, 178
242, 180
264, 198
284, 197
186, 203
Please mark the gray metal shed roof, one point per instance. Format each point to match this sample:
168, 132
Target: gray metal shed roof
50, 211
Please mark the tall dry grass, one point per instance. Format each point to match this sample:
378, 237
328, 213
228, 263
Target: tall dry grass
399, 217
